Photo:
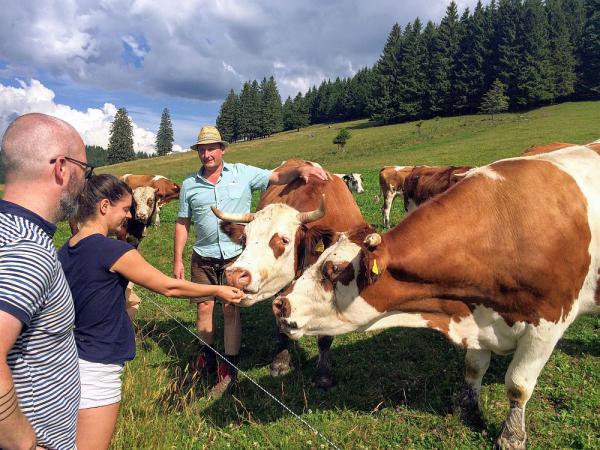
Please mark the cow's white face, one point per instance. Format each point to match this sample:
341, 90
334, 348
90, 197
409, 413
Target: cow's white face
357, 183
325, 299
268, 261
144, 198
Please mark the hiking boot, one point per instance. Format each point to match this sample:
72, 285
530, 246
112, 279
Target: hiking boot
226, 380
205, 363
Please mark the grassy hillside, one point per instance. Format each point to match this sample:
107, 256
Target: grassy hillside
394, 387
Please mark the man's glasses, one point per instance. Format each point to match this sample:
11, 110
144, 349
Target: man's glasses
88, 169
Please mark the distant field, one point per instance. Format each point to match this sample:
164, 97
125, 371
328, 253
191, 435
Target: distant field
394, 387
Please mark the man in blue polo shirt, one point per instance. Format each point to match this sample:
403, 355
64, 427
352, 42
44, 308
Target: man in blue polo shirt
44, 159
228, 187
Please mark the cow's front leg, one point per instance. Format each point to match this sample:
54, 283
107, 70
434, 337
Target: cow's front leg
532, 352
387, 206
466, 403
323, 377
281, 363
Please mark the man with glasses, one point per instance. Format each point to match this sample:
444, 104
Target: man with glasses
228, 187
44, 160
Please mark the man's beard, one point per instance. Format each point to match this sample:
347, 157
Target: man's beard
67, 203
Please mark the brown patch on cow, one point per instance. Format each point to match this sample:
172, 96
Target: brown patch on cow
342, 271
425, 183
517, 395
235, 231
520, 248
546, 148
166, 190
277, 245
595, 147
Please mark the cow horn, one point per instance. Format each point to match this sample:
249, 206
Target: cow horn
372, 240
231, 217
311, 216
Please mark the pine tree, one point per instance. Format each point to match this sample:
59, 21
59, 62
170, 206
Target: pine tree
120, 142
250, 111
590, 52
495, 100
534, 78
301, 117
508, 36
381, 106
164, 137
227, 120
271, 119
470, 81
409, 103
288, 114
449, 36
96, 155
562, 58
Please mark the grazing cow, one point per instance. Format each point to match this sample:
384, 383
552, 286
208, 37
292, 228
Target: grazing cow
502, 262
425, 182
166, 190
281, 239
391, 182
353, 181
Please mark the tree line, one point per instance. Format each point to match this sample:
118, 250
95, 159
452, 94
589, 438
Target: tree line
509, 54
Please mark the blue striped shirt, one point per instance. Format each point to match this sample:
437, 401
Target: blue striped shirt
43, 360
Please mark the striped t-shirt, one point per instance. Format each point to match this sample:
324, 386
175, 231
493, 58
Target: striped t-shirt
43, 360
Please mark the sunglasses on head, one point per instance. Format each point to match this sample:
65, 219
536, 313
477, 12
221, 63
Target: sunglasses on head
88, 169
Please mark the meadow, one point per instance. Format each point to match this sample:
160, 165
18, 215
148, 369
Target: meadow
393, 388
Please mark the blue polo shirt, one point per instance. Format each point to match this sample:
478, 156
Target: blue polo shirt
232, 193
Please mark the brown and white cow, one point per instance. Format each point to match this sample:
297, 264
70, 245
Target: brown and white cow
353, 181
502, 262
282, 238
166, 190
391, 182
425, 182
143, 213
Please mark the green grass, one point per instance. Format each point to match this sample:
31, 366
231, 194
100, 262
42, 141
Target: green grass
394, 387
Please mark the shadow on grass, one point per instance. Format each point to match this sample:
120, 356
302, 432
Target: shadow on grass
577, 347
365, 125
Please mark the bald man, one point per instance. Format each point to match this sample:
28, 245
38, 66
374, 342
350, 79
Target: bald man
45, 165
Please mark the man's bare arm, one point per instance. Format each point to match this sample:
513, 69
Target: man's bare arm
182, 229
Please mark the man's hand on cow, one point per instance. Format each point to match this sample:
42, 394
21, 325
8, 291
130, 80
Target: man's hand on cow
178, 270
307, 170
230, 294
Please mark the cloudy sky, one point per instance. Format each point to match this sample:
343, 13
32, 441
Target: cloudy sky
80, 60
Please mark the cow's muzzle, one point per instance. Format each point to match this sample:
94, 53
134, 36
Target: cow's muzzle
238, 277
281, 308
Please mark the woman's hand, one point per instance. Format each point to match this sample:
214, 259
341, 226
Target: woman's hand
230, 294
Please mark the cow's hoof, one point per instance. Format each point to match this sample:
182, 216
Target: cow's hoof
323, 381
466, 405
281, 364
511, 440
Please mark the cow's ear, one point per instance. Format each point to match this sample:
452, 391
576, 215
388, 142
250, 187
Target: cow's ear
235, 231
317, 239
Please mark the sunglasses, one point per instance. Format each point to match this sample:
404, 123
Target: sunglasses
88, 169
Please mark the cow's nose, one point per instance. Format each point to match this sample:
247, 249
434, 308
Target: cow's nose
141, 216
281, 307
238, 277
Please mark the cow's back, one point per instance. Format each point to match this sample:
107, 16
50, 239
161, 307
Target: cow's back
342, 212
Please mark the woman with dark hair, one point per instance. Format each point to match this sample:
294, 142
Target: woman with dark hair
98, 270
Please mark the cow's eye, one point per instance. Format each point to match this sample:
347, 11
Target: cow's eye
285, 240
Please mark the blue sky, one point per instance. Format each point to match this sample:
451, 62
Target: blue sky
82, 59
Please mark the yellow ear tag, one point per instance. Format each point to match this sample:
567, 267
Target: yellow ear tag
375, 269
320, 248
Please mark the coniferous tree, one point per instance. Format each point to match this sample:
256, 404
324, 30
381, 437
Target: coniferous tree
271, 118
96, 155
120, 142
449, 35
301, 117
410, 56
288, 114
470, 82
562, 57
164, 137
386, 73
508, 37
249, 121
576, 17
590, 52
534, 80
227, 120
495, 100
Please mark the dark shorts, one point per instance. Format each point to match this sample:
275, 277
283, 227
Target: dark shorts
208, 271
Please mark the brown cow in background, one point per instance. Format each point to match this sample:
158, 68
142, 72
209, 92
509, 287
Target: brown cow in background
425, 182
166, 190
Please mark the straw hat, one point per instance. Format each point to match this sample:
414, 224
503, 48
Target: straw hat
209, 135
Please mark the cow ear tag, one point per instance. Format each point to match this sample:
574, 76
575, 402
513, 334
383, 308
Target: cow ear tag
375, 269
320, 248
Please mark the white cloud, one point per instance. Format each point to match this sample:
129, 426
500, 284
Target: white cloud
93, 124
